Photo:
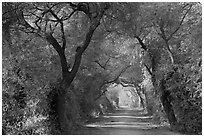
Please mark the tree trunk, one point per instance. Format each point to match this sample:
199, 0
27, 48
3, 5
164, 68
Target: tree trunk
168, 108
68, 76
61, 111
165, 95
149, 103
141, 98
66, 121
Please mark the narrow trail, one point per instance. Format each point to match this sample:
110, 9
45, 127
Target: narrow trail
126, 122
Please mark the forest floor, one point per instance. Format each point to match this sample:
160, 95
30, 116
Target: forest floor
125, 122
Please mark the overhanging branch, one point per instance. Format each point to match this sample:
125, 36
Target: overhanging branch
111, 81
61, 28
80, 50
181, 22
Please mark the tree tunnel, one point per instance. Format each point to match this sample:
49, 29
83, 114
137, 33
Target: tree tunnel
82, 58
121, 95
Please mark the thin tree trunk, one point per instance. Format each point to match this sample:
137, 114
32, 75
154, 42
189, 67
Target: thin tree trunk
141, 98
169, 52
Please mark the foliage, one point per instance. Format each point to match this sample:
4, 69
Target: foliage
27, 63
144, 43
24, 111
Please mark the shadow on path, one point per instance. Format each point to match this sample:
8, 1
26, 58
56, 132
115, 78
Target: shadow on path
125, 122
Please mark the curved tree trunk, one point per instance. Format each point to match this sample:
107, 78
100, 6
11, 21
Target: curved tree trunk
166, 102
165, 95
66, 121
142, 100
67, 76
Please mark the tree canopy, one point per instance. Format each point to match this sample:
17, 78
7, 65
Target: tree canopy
59, 59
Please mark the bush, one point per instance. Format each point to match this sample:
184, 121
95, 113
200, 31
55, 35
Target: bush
186, 99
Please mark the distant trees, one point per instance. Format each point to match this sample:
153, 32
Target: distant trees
163, 32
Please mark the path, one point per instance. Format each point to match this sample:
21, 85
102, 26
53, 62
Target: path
126, 122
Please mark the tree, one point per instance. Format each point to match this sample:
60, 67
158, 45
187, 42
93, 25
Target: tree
158, 27
171, 26
157, 45
48, 19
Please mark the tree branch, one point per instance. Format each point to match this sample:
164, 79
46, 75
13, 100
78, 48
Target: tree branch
169, 52
141, 43
24, 23
122, 71
111, 81
97, 62
148, 69
79, 53
80, 50
164, 37
60, 52
61, 28
66, 18
53, 42
181, 22
126, 85
102, 66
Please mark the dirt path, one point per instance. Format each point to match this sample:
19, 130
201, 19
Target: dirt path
126, 122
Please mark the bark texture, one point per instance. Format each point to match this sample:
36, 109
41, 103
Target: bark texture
65, 120
159, 83
168, 108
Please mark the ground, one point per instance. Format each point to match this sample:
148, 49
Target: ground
125, 122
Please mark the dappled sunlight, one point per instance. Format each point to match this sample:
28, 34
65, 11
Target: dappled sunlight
136, 125
126, 123
127, 119
101, 68
134, 117
128, 108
